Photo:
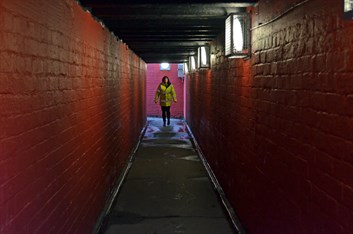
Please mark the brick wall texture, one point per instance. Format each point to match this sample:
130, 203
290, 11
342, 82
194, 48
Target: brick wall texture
72, 105
277, 129
153, 79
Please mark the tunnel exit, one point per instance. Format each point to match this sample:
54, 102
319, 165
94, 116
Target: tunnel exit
155, 72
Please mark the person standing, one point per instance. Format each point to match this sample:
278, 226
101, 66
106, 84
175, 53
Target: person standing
165, 93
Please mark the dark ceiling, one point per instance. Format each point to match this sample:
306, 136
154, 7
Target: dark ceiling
164, 31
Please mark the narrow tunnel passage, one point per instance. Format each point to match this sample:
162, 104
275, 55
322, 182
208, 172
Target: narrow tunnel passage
276, 127
167, 189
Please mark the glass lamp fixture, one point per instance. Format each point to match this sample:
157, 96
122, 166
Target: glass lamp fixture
348, 5
203, 57
237, 35
186, 70
348, 9
164, 66
192, 63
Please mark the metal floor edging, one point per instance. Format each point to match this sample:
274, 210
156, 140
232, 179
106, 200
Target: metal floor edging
232, 215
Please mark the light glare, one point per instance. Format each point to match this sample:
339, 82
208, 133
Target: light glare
237, 35
348, 5
193, 64
164, 65
203, 56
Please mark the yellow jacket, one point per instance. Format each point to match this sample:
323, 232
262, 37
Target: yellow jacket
165, 94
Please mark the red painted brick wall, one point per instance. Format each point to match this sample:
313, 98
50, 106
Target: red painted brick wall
278, 129
72, 105
154, 78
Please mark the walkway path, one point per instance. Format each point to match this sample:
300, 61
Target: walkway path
167, 189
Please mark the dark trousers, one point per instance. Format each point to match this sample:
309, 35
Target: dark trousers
166, 113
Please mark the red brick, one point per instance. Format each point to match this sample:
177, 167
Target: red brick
346, 217
343, 171
297, 120
53, 113
349, 60
320, 63
343, 83
348, 197
323, 161
325, 182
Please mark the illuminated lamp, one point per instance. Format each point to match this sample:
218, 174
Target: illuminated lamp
237, 35
164, 66
186, 70
203, 57
192, 63
348, 9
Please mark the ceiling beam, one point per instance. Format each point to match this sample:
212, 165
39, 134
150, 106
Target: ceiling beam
167, 23
177, 28
164, 10
160, 17
175, 37
163, 30
173, 44
136, 31
147, 3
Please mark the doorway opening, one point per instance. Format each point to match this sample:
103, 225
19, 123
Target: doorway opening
175, 72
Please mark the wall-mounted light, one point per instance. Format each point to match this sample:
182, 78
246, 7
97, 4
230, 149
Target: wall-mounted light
192, 63
237, 35
348, 9
186, 69
164, 66
203, 57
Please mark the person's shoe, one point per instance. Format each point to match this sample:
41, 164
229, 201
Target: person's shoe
163, 124
168, 122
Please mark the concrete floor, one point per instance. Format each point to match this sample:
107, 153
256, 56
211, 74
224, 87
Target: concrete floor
167, 189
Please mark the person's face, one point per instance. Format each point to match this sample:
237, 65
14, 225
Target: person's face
165, 80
